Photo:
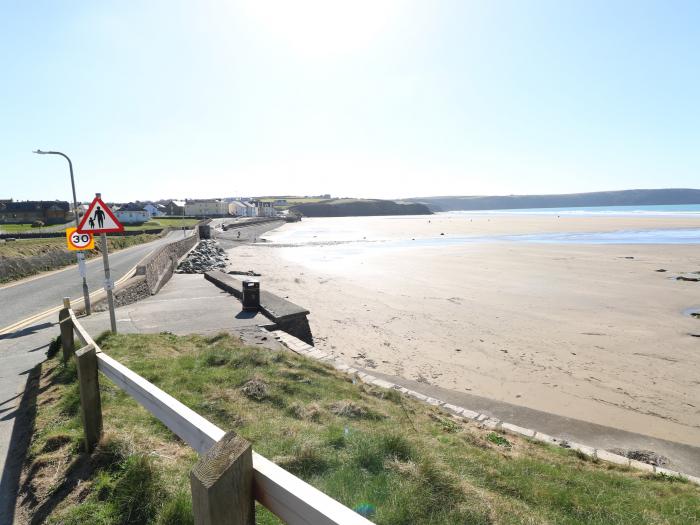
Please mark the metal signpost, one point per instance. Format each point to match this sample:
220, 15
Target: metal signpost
100, 219
80, 255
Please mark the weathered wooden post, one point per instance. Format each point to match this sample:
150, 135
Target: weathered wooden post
90, 404
66, 325
222, 484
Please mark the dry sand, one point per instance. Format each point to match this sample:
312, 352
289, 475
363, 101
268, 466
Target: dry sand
592, 332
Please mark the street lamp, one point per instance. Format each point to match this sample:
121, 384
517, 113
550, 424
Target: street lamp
80, 255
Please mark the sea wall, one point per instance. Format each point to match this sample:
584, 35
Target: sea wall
158, 267
285, 315
151, 273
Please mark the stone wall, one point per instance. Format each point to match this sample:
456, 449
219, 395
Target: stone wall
158, 268
151, 274
62, 233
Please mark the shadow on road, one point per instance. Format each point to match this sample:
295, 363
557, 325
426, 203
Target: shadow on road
22, 431
26, 331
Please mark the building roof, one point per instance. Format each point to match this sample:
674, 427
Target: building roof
35, 206
132, 206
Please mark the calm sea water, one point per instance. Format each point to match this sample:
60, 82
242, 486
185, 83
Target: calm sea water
327, 242
656, 210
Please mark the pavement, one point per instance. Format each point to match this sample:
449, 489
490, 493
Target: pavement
187, 304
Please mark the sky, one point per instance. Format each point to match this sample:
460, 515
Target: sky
362, 98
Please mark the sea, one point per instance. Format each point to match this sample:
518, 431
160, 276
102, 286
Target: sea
663, 210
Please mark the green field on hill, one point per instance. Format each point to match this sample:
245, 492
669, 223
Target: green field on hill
401, 461
163, 222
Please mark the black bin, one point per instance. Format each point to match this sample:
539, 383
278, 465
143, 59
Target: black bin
251, 294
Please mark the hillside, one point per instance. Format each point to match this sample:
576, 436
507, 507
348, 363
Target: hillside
396, 460
599, 198
358, 207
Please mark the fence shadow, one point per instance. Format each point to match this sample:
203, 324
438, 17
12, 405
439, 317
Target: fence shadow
22, 430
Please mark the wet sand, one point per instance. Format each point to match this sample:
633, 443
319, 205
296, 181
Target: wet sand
592, 332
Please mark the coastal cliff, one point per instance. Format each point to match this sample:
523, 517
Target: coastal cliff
352, 208
666, 196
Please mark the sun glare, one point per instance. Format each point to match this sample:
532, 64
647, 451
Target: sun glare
322, 28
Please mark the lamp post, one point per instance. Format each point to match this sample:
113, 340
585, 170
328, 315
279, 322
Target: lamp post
80, 255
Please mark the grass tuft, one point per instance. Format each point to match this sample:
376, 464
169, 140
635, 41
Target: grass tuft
498, 439
256, 389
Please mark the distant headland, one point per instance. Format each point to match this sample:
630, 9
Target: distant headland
667, 196
358, 207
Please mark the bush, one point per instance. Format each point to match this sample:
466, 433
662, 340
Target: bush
37, 224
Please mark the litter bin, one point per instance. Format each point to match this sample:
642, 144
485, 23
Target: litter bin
251, 294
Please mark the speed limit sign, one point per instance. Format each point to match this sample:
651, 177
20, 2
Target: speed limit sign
79, 241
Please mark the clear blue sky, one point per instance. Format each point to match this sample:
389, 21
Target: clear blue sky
355, 98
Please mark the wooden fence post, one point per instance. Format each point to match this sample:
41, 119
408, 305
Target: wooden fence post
66, 325
222, 484
90, 404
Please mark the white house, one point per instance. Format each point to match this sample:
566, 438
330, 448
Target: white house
129, 215
265, 209
238, 208
153, 210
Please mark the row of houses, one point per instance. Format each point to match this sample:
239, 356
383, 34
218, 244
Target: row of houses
48, 212
58, 212
138, 212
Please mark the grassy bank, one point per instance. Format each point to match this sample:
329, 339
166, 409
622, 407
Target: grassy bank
401, 461
23, 227
26, 257
164, 222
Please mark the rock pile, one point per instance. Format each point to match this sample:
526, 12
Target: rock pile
207, 256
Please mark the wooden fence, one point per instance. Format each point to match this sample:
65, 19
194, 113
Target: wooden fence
229, 475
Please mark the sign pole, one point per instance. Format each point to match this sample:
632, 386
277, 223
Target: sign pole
108, 281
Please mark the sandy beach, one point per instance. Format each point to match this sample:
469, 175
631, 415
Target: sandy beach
590, 331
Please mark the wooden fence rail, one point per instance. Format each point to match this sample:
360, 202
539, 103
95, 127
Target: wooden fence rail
290, 498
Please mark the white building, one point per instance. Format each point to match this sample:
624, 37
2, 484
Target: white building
155, 211
132, 216
207, 208
265, 209
238, 209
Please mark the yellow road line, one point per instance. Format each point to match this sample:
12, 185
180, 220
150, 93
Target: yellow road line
29, 320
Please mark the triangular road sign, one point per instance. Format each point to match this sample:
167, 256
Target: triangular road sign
99, 219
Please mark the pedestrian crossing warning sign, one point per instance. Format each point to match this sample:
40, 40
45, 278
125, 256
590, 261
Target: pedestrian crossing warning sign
99, 219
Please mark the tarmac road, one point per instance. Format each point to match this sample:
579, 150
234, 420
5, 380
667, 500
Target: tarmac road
33, 295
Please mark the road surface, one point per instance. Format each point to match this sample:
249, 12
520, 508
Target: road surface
37, 294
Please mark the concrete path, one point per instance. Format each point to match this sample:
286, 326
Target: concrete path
187, 304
